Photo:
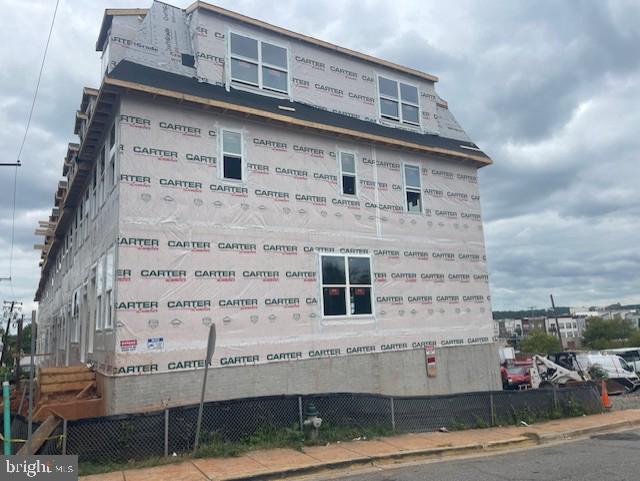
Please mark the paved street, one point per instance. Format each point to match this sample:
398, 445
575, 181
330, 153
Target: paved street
605, 457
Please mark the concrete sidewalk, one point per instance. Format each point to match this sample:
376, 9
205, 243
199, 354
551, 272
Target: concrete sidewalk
280, 463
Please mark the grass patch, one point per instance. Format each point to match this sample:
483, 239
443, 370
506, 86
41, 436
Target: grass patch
213, 444
86, 468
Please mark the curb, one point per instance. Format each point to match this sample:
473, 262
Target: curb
418, 454
527, 439
314, 468
550, 437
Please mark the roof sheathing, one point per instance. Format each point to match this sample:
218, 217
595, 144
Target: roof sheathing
110, 13
305, 38
132, 76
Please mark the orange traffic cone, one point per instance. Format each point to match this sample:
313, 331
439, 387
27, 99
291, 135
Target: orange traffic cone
606, 402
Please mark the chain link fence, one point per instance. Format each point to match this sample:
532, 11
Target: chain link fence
20, 431
137, 436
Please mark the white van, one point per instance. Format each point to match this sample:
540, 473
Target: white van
630, 354
613, 365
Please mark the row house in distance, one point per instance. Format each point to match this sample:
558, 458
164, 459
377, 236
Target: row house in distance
319, 205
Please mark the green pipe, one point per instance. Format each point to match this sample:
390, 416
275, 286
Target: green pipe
7, 418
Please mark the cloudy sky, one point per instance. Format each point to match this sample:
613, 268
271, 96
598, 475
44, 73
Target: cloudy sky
550, 89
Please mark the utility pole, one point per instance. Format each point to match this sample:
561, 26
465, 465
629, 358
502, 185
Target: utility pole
8, 308
6, 331
553, 305
18, 352
34, 333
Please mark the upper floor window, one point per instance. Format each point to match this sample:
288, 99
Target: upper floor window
261, 64
413, 188
348, 172
398, 101
231, 155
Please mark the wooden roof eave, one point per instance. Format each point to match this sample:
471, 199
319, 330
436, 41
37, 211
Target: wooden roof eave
66, 199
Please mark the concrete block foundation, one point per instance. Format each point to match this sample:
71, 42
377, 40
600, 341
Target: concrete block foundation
459, 369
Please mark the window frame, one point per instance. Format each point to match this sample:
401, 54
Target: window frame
80, 221
342, 173
87, 213
259, 63
75, 317
347, 286
398, 100
109, 272
102, 164
94, 191
112, 155
243, 173
406, 188
100, 285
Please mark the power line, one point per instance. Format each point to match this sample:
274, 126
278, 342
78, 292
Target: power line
35, 94
24, 140
13, 230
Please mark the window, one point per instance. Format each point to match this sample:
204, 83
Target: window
398, 101
87, 202
99, 291
79, 219
231, 155
112, 137
80, 230
412, 188
111, 175
75, 313
101, 186
346, 285
94, 190
630, 356
108, 324
348, 171
261, 64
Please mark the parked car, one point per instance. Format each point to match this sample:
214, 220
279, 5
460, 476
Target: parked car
630, 354
515, 376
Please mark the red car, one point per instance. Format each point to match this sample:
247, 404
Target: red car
515, 376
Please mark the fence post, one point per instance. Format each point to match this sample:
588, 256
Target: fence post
493, 409
300, 413
166, 432
556, 405
393, 415
64, 436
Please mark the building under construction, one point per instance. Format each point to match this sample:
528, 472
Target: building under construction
319, 205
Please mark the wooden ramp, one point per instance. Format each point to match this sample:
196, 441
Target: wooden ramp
41, 434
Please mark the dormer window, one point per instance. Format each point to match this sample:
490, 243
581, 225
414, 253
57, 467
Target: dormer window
398, 101
257, 63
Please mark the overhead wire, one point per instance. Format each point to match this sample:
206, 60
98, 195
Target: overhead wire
22, 144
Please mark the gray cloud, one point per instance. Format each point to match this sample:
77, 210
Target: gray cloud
550, 89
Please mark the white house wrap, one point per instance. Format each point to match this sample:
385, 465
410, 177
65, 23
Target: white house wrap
321, 207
